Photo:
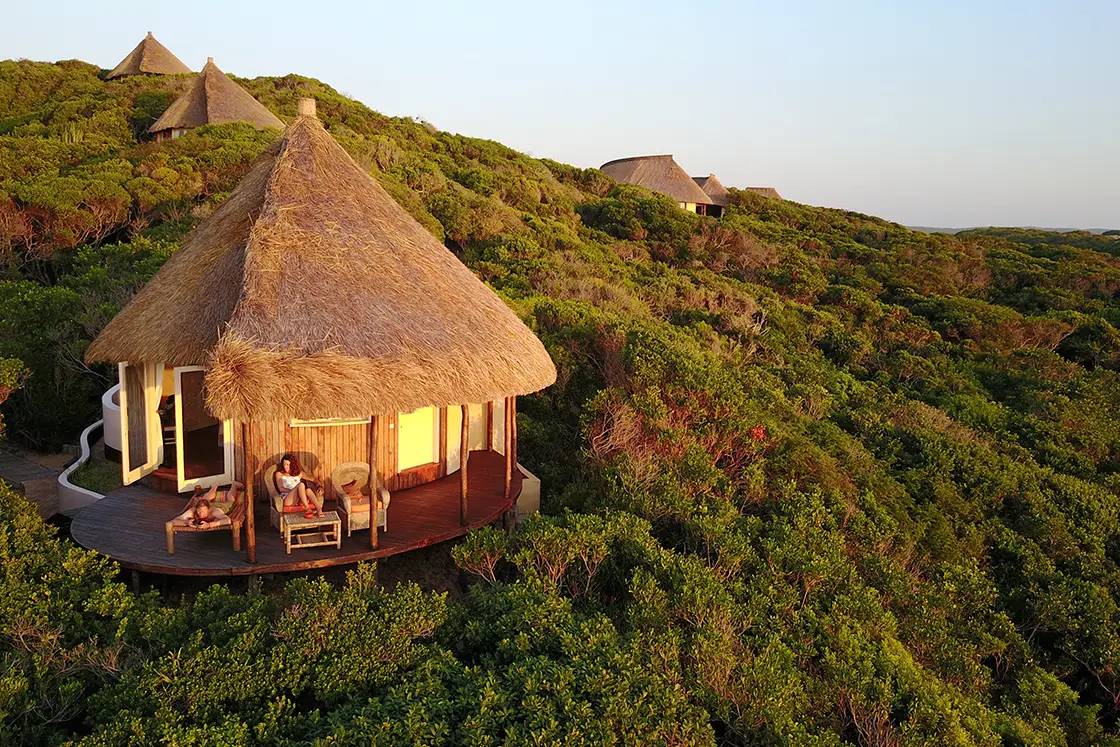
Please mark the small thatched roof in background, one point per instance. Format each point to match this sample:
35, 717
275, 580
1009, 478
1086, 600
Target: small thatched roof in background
765, 192
213, 99
658, 173
715, 190
149, 58
311, 293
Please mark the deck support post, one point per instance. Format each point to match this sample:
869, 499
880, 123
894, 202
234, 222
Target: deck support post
374, 540
464, 453
508, 444
250, 514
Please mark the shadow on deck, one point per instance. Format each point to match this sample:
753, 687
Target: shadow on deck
127, 526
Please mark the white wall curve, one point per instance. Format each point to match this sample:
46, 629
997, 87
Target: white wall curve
111, 414
72, 498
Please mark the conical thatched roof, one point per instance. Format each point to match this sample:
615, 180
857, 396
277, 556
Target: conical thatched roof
149, 58
658, 173
715, 190
310, 293
212, 99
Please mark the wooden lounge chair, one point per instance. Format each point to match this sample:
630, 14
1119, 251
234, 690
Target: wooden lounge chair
276, 507
234, 517
355, 515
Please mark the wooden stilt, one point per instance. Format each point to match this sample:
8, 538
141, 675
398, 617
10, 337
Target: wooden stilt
250, 513
464, 453
508, 445
374, 540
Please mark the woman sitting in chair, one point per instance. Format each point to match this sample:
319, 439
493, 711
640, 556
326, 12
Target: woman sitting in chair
293, 488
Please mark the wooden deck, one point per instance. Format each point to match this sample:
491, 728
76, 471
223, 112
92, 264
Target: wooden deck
127, 526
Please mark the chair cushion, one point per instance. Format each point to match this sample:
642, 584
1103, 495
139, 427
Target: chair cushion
362, 508
353, 490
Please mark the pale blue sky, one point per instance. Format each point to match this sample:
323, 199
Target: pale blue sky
937, 113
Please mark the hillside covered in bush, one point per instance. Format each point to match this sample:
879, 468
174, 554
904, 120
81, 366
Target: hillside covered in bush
810, 477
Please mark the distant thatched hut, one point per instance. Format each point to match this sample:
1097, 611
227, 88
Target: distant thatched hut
765, 192
148, 58
660, 174
721, 198
311, 313
212, 99
716, 192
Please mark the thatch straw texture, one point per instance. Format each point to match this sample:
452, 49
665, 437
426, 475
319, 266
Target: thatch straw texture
715, 190
765, 192
212, 99
148, 58
310, 293
658, 173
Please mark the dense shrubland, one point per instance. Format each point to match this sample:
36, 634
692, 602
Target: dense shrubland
811, 477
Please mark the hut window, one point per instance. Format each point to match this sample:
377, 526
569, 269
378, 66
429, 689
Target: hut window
416, 438
318, 422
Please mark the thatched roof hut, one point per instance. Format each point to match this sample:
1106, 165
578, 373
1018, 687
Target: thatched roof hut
213, 99
310, 293
660, 174
765, 192
149, 58
311, 314
714, 189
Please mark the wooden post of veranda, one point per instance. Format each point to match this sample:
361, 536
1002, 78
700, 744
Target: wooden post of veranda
373, 483
507, 446
464, 452
250, 514
513, 427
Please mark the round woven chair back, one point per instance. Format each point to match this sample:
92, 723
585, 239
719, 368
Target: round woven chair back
349, 472
270, 481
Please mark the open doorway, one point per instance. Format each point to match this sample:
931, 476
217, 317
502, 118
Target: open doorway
203, 444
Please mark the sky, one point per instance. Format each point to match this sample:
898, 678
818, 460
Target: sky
927, 112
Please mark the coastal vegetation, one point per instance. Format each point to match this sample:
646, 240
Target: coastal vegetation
810, 477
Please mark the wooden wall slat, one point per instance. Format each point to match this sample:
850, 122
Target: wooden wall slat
393, 445
442, 436
489, 426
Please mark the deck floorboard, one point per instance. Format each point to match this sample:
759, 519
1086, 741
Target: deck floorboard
127, 526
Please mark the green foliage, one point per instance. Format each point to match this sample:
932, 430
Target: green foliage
351, 664
810, 477
12, 376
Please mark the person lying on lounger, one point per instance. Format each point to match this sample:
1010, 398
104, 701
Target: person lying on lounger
293, 487
201, 511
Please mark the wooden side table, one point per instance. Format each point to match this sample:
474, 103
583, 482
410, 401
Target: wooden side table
299, 531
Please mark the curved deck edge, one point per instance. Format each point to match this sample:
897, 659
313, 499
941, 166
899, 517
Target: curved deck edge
305, 565
428, 515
